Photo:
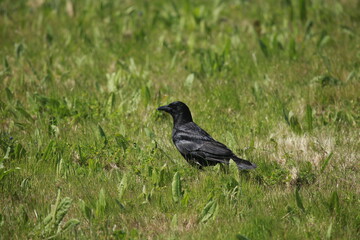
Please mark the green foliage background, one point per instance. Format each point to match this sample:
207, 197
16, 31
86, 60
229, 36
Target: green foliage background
85, 154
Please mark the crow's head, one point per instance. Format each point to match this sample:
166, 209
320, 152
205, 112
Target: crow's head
179, 111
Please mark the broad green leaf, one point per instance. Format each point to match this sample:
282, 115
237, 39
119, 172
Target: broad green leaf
326, 162
309, 27
161, 180
292, 49
334, 203
54, 130
348, 31
101, 203
149, 133
241, 237
264, 48
121, 141
145, 94
294, 123
52, 214
81, 157
51, 225
113, 81
286, 114
86, 210
176, 188
209, 211
234, 170
7, 68
4, 173
62, 210
25, 113
9, 94
19, 49
2, 105
323, 40
303, 11
299, 202
69, 225
174, 223
122, 187
49, 150
2, 220
329, 231
7, 154
122, 207
189, 80
102, 134
110, 104
19, 151
185, 199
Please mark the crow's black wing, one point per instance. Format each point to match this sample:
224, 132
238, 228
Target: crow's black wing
190, 131
194, 143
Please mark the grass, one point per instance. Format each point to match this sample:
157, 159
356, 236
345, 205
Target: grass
85, 154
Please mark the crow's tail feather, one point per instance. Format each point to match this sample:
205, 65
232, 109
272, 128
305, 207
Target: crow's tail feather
243, 164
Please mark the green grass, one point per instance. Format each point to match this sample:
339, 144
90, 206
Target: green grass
85, 154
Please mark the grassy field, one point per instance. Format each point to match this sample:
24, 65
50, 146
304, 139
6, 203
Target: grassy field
85, 154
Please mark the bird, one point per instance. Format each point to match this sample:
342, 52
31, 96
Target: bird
197, 146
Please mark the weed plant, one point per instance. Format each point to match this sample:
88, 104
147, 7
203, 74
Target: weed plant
85, 154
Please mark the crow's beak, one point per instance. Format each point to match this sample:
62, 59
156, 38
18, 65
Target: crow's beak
164, 108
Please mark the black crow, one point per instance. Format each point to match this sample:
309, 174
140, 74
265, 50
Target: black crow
195, 145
